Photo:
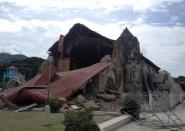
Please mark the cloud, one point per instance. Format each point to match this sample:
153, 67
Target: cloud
103, 11
105, 5
60, 26
174, 18
165, 45
162, 44
34, 37
26, 25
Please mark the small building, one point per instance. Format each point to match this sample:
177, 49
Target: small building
10, 73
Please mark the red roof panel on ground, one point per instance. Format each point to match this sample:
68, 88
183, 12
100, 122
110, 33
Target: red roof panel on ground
62, 86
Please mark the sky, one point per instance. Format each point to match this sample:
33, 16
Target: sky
30, 27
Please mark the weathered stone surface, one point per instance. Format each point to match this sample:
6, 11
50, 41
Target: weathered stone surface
176, 93
106, 97
91, 104
81, 99
118, 62
101, 81
106, 58
133, 73
43, 66
105, 80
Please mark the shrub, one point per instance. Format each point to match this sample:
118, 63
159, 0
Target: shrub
131, 106
129, 102
54, 104
80, 121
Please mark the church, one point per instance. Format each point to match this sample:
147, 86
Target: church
87, 63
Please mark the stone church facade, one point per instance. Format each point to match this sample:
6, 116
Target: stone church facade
130, 71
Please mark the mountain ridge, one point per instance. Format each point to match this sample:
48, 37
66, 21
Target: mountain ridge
7, 57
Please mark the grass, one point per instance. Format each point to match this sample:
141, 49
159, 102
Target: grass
34, 121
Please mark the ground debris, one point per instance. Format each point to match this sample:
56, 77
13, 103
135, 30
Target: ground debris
91, 104
106, 97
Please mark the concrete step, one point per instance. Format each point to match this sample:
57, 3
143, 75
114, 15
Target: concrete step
114, 123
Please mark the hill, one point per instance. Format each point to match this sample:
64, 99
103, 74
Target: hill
6, 57
179, 79
28, 66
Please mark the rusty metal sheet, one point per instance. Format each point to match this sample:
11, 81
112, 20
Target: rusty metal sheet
62, 86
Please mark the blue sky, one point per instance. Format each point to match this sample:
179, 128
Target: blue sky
30, 27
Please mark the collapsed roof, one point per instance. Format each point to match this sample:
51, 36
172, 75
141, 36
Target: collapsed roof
62, 86
87, 47
84, 45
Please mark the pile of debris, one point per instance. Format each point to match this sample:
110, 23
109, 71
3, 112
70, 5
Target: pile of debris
103, 102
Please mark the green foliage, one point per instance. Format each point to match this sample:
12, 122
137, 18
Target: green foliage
54, 104
179, 79
129, 102
80, 119
28, 67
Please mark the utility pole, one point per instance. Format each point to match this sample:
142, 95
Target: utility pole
50, 60
47, 107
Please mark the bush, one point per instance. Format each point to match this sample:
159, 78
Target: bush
131, 106
129, 102
80, 121
54, 104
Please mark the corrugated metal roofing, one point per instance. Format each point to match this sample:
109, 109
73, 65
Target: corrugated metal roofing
62, 86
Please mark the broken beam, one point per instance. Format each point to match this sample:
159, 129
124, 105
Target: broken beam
26, 107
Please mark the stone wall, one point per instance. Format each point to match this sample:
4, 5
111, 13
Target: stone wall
105, 80
118, 62
176, 92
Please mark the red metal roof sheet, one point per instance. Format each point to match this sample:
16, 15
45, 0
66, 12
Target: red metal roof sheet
45, 77
62, 86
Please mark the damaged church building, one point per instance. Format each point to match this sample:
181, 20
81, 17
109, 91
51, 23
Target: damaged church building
87, 63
